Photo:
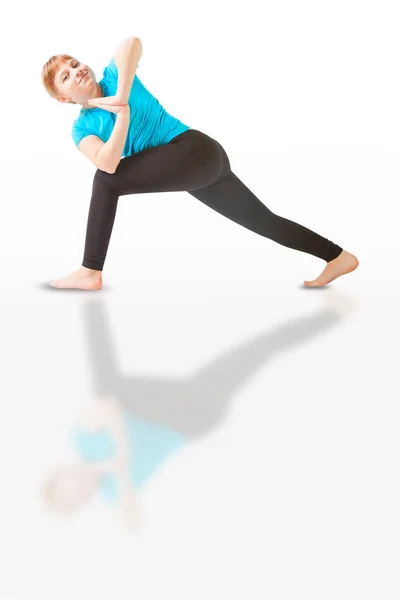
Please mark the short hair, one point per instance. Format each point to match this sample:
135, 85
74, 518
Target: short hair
50, 70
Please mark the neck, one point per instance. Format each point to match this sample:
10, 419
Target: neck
99, 94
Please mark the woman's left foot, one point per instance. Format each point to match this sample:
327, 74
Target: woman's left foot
344, 263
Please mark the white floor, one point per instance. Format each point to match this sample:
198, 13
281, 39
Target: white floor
234, 434
261, 421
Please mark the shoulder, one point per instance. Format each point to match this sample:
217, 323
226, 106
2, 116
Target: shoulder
82, 126
82, 121
111, 70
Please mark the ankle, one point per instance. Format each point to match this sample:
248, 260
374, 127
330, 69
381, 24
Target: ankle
90, 272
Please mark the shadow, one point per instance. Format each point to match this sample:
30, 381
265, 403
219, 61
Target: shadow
137, 422
322, 289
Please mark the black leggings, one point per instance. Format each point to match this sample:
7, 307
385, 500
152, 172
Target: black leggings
195, 163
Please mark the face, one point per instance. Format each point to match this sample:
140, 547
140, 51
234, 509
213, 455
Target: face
69, 487
76, 82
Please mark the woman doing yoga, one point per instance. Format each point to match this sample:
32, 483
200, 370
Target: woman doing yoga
139, 148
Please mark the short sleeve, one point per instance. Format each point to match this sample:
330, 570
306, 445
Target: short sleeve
78, 133
111, 71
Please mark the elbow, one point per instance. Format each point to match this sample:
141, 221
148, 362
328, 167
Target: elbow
131, 41
108, 170
137, 45
111, 170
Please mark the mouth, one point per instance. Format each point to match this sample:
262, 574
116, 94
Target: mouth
83, 77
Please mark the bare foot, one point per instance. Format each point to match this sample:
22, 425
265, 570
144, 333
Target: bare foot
82, 279
344, 263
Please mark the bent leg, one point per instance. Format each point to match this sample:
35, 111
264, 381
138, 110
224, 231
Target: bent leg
232, 199
189, 161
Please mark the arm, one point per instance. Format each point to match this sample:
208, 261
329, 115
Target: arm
108, 415
126, 60
109, 155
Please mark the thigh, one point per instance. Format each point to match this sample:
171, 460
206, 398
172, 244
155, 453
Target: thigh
233, 199
190, 161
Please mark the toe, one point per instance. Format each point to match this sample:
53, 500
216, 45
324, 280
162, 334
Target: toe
315, 283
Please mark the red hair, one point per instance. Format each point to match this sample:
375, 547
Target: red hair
50, 70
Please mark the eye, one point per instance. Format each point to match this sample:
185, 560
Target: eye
65, 77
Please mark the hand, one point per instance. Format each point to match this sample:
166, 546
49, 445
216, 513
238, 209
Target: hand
130, 511
105, 412
109, 103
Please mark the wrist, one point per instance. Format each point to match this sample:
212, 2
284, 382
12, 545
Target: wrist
122, 94
125, 111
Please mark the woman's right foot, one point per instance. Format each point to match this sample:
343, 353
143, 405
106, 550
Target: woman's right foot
82, 279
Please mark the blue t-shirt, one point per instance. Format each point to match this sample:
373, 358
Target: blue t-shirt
149, 446
150, 125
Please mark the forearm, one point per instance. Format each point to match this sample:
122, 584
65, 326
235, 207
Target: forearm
126, 60
109, 156
107, 414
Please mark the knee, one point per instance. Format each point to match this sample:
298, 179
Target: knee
102, 179
102, 175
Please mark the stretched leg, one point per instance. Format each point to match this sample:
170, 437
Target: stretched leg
231, 198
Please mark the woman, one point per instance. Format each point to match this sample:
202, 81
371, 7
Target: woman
139, 148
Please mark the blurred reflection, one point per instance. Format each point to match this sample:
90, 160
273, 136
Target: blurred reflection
137, 422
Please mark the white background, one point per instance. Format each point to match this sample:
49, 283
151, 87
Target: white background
292, 491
